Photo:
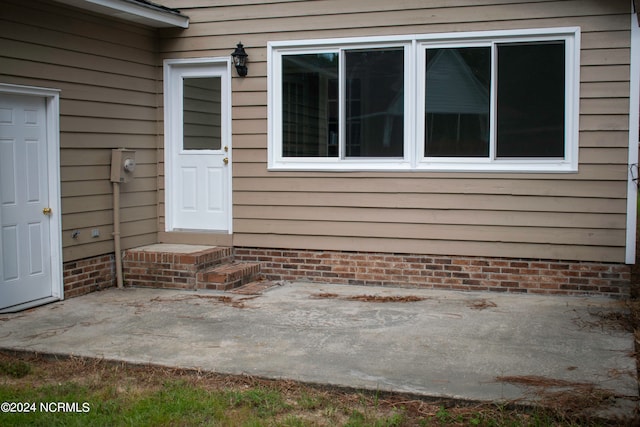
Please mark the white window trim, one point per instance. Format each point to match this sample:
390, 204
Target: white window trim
415, 48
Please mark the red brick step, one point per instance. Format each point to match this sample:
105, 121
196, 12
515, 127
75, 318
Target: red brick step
227, 276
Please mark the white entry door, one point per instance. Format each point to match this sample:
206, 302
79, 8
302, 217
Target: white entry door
198, 145
25, 208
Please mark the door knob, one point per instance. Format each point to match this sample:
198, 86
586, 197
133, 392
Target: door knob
226, 160
46, 211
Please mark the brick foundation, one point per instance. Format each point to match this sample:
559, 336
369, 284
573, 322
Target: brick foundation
88, 275
443, 272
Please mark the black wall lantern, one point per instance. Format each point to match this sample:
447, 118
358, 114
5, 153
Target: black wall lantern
240, 60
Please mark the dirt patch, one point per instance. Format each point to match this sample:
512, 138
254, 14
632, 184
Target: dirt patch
257, 287
224, 299
563, 396
371, 298
614, 320
481, 304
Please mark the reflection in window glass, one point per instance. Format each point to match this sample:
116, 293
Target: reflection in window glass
374, 103
531, 100
310, 105
201, 113
457, 102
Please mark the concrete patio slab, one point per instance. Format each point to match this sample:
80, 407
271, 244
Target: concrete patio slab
436, 343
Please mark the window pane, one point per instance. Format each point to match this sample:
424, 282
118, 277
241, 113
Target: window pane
531, 100
201, 128
457, 102
375, 103
310, 105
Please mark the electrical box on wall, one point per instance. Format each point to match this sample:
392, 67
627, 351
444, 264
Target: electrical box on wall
123, 164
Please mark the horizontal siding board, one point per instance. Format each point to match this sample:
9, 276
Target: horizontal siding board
605, 40
91, 249
604, 139
130, 228
91, 156
604, 155
241, 141
432, 216
604, 90
604, 122
86, 60
105, 217
488, 234
469, 202
98, 202
77, 250
27, 74
62, 73
603, 106
611, 73
87, 188
250, 112
78, 173
605, 57
105, 125
438, 185
122, 110
87, 142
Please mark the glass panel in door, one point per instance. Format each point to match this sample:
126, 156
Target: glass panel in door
201, 113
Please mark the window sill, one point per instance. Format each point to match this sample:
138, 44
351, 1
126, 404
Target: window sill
511, 166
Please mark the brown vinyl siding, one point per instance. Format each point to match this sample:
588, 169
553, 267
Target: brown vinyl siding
107, 73
578, 216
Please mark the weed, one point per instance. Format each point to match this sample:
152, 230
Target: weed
443, 415
15, 368
309, 401
265, 402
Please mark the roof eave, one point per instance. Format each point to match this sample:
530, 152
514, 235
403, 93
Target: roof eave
141, 12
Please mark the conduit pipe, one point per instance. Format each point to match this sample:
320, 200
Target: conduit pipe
116, 233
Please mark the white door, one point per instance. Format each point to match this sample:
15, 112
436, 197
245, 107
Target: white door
197, 145
25, 211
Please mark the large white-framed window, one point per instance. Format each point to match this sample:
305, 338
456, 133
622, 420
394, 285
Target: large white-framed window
478, 101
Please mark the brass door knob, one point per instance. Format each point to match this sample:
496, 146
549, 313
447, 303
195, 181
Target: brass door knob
46, 211
226, 160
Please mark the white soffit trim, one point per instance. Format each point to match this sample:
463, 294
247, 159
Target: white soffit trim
141, 12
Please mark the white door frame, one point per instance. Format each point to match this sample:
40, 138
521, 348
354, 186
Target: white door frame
172, 117
52, 106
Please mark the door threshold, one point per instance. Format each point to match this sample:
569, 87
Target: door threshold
196, 237
24, 306
193, 230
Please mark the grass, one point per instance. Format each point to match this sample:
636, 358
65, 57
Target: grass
118, 394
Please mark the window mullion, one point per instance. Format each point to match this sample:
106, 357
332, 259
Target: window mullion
342, 110
493, 120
